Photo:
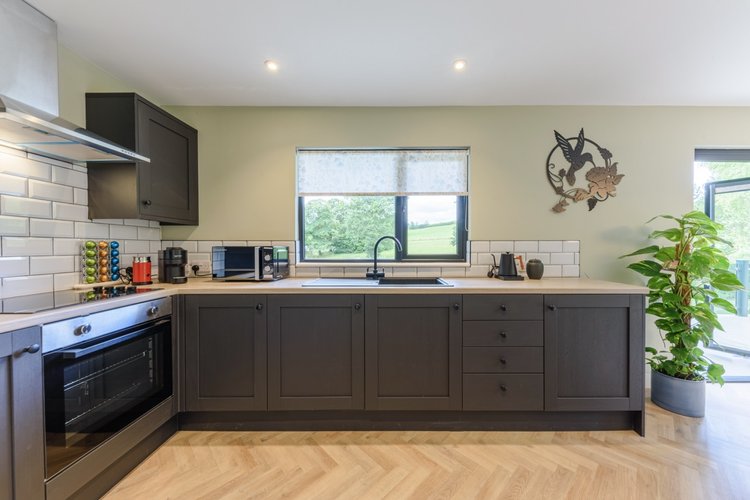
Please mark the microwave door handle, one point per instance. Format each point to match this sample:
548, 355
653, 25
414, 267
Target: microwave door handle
79, 353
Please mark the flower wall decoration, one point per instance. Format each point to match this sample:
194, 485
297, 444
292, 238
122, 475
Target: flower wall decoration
572, 155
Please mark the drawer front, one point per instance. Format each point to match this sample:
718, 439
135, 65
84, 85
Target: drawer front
503, 359
503, 307
503, 392
503, 333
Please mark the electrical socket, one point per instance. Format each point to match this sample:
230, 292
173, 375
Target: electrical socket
204, 268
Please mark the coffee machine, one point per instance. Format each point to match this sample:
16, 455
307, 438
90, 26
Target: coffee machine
172, 264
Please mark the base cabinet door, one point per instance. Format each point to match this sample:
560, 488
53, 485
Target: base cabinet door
316, 352
21, 415
225, 352
593, 352
413, 352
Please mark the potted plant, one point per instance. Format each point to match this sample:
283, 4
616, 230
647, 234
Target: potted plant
684, 277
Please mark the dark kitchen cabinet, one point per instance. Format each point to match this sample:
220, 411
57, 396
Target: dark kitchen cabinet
316, 352
225, 352
164, 190
413, 352
593, 352
21, 415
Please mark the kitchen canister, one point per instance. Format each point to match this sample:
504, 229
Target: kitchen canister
534, 269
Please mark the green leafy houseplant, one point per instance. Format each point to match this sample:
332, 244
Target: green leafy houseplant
683, 279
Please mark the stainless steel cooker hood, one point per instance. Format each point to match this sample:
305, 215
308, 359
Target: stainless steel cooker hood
29, 93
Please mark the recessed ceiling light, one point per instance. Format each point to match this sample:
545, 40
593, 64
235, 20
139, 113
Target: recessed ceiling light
271, 65
459, 64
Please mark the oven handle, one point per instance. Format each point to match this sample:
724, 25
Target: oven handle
79, 353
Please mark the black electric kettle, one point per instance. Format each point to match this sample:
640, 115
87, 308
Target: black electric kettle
507, 269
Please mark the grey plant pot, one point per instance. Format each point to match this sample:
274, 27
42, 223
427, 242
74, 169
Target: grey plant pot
686, 397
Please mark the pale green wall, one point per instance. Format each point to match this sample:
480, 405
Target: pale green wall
78, 76
247, 168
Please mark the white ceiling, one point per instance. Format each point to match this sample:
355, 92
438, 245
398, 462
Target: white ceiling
400, 52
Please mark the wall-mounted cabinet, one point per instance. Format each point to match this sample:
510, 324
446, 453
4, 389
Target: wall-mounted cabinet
165, 190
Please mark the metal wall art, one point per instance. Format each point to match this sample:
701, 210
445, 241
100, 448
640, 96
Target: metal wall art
566, 172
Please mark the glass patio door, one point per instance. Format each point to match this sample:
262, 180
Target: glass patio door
728, 202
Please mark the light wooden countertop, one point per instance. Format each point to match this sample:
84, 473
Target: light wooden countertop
463, 286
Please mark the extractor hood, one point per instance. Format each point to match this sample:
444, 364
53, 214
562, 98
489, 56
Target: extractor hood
29, 93
27, 128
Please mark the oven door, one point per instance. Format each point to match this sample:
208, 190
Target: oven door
96, 388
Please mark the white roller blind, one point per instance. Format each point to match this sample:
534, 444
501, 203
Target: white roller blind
382, 172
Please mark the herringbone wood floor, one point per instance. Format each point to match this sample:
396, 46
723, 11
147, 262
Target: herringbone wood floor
680, 458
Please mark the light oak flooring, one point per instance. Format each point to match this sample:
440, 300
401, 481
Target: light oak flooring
680, 458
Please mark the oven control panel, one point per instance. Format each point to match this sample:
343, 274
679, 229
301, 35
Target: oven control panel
72, 331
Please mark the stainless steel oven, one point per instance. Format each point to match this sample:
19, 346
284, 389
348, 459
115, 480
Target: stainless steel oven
102, 372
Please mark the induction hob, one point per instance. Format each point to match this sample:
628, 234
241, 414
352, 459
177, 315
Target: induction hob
26, 304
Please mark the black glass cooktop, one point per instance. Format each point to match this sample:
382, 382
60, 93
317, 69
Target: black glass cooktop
65, 298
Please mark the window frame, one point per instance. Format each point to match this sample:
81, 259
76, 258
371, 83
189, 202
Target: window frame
402, 227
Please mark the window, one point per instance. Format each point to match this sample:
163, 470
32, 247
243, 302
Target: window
347, 199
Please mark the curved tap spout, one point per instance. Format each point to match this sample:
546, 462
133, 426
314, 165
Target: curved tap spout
377, 273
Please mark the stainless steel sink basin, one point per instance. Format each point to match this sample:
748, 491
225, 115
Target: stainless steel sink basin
382, 282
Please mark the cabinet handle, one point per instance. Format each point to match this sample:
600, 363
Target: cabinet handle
504, 388
552, 308
259, 307
503, 335
503, 307
147, 203
357, 306
456, 306
503, 361
83, 329
32, 348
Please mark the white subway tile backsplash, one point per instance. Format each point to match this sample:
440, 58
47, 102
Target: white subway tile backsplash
66, 246
25, 207
501, 246
234, 243
577, 258
69, 177
404, 272
154, 223
91, 230
149, 233
66, 211
118, 222
570, 271
428, 271
166, 244
571, 246
80, 196
21, 247
353, 272
14, 226
550, 246
10, 184
562, 258
23, 167
453, 272
66, 281
47, 191
27, 285
135, 246
485, 258
50, 227
331, 272
14, 266
525, 246
474, 259
52, 265
307, 272
258, 243
123, 232
49, 161
477, 271
480, 246
44, 220
553, 271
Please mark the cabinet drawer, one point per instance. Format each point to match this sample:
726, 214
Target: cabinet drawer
503, 392
503, 307
503, 333
503, 359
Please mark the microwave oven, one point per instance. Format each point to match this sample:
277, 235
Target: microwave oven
261, 263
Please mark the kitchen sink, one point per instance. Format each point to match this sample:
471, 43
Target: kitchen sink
382, 282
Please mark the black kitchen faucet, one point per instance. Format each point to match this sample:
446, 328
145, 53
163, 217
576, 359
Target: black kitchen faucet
378, 273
